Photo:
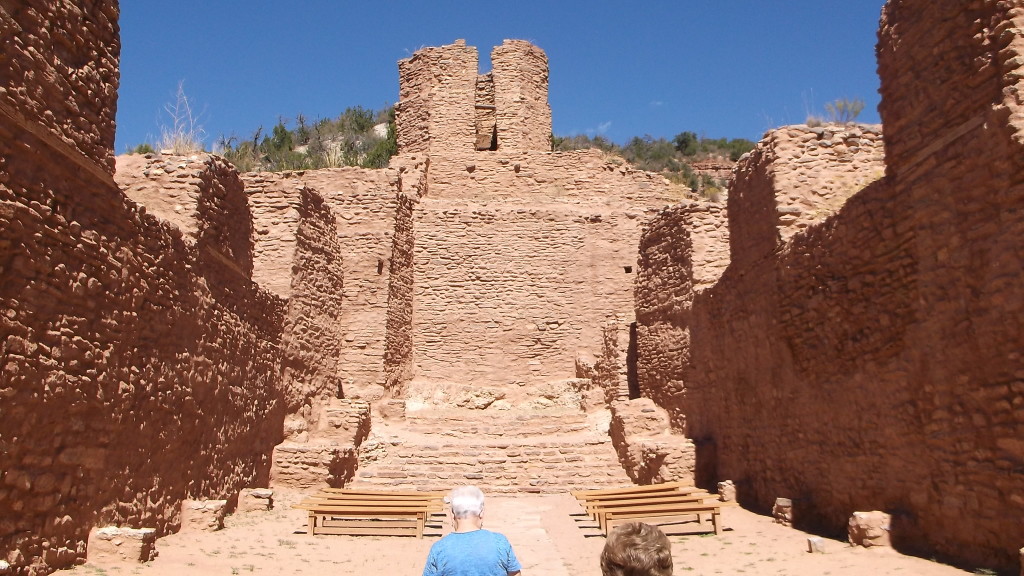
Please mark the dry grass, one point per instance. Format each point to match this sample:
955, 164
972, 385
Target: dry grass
185, 134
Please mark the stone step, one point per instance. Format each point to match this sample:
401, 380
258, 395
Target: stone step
492, 485
500, 466
461, 425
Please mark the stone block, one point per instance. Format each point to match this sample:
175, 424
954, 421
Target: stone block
783, 511
727, 491
114, 545
256, 500
392, 409
816, 545
870, 529
203, 515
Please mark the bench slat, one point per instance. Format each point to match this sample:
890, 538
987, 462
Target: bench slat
384, 493
316, 503
666, 486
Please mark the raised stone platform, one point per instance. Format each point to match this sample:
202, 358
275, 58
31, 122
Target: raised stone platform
500, 451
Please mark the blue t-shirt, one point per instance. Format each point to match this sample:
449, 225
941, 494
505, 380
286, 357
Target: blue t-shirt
476, 553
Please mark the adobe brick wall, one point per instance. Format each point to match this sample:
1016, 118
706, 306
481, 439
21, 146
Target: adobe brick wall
683, 250
136, 371
60, 73
795, 177
872, 361
508, 290
346, 296
523, 117
436, 108
446, 108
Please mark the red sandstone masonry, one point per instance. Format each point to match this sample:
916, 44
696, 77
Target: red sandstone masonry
436, 110
796, 177
364, 205
136, 371
683, 250
873, 361
137, 359
60, 74
509, 293
523, 116
446, 109
305, 238
399, 366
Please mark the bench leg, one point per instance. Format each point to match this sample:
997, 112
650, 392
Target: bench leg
311, 529
716, 520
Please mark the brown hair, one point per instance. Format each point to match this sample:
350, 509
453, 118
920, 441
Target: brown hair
637, 549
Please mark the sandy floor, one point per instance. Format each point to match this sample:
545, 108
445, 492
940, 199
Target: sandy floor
548, 533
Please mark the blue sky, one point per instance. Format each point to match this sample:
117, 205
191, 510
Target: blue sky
720, 69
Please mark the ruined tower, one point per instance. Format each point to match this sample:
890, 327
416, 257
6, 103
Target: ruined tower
447, 108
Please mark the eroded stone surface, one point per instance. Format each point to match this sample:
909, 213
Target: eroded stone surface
255, 500
869, 529
205, 515
895, 313
113, 546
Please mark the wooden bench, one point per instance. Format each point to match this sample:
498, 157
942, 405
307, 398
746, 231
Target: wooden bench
370, 512
593, 507
663, 513
632, 490
382, 493
654, 504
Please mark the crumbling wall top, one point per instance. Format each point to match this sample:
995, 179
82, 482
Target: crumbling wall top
447, 108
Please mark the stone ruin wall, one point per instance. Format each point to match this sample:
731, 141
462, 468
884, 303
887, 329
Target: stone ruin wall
523, 116
519, 256
663, 299
509, 295
140, 362
297, 239
447, 109
352, 295
137, 370
583, 177
871, 362
520, 262
436, 110
399, 363
59, 73
796, 177
683, 250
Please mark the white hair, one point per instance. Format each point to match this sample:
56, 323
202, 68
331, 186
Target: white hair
467, 501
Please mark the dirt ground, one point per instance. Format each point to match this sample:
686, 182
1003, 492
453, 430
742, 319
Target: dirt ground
549, 534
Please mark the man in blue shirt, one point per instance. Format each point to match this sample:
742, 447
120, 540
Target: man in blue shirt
469, 550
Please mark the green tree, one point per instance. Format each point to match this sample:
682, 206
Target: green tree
686, 143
